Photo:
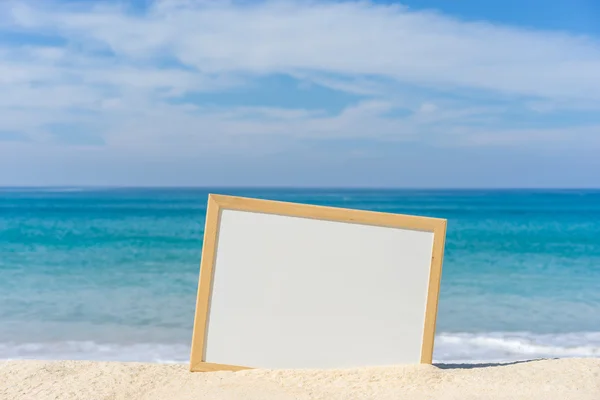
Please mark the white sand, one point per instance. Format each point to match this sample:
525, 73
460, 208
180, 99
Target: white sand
545, 380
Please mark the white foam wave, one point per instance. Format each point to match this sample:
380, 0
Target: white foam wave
514, 346
88, 350
450, 348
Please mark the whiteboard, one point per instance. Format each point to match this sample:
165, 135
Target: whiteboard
302, 286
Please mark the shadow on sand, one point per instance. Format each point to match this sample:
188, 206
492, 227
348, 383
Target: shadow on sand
487, 365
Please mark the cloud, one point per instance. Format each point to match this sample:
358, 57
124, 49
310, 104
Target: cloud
342, 38
129, 78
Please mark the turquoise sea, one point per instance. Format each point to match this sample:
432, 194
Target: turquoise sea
111, 274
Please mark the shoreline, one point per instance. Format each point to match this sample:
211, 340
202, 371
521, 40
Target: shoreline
565, 378
450, 348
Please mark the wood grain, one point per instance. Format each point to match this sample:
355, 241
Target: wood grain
209, 249
212, 367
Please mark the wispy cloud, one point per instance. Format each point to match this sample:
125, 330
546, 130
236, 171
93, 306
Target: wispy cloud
348, 38
125, 78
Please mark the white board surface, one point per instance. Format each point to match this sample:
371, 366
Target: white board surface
293, 292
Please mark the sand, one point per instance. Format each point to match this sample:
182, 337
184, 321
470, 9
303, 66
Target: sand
545, 379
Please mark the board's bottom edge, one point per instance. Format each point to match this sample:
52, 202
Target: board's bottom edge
214, 367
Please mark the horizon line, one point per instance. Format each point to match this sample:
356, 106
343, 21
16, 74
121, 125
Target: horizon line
267, 187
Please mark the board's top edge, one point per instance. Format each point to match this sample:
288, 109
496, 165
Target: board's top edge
304, 210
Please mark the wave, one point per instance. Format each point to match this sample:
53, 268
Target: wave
514, 346
450, 348
92, 351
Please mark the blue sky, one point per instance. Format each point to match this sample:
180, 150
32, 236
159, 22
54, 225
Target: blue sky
419, 93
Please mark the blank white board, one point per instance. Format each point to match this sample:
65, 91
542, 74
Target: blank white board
300, 286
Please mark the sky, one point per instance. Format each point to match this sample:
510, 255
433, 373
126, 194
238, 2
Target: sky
420, 93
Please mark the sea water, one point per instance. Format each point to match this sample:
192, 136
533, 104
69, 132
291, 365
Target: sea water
112, 274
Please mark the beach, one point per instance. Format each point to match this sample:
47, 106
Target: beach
111, 275
560, 379
402, 196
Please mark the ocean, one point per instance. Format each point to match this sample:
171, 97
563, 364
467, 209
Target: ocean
112, 274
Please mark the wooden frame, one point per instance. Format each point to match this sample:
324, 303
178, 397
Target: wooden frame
216, 203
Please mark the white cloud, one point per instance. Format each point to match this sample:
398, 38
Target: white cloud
114, 68
346, 38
